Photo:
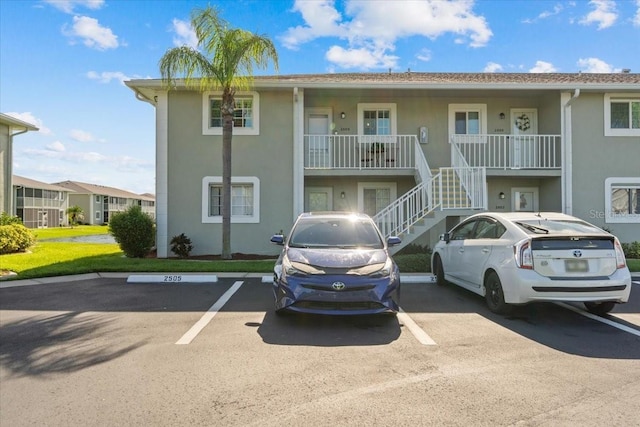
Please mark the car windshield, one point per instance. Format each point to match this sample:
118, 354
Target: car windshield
335, 232
546, 226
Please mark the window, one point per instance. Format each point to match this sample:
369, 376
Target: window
468, 119
375, 196
245, 199
622, 200
489, 229
464, 231
97, 199
245, 115
377, 120
97, 216
621, 115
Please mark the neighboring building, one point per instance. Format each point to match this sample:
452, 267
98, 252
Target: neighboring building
418, 151
40, 205
99, 202
9, 128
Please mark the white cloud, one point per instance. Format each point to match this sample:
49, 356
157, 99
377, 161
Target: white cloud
107, 76
360, 58
604, 14
56, 146
493, 67
93, 35
557, 9
68, 6
424, 55
185, 35
543, 67
371, 28
81, 136
30, 118
636, 18
119, 163
595, 65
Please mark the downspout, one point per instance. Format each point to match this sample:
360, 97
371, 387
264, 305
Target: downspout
567, 158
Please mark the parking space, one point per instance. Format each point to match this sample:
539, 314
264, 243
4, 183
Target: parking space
104, 352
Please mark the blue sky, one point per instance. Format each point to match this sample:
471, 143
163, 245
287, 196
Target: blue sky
63, 63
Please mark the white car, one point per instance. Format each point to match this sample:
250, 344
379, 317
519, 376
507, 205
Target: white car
517, 258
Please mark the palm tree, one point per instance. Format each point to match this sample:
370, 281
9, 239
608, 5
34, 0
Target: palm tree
75, 214
224, 60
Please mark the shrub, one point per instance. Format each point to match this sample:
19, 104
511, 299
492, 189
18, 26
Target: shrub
134, 231
181, 245
631, 250
413, 263
6, 219
15, 237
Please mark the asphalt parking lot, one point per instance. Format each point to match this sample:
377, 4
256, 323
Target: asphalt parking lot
107, 352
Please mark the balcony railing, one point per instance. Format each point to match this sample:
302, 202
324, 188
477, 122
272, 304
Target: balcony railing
360, 151
508, 151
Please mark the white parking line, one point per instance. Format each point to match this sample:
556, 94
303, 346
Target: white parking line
422, 337
206, 318
600, 319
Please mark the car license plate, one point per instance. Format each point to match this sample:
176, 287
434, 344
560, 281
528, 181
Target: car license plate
576, 265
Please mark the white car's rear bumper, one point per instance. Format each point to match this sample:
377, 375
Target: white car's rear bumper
522, 286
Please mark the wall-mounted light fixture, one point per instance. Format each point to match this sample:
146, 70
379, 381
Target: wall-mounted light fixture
501, 195
502, 116
343, 115
342, 195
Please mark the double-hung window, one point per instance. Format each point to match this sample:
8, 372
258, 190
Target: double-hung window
468, 119
377, 122
245, 113
245, 199
621, 115
622, 200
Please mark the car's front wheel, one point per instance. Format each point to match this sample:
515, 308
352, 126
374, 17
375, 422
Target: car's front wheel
439, 271
600, 308
495, 295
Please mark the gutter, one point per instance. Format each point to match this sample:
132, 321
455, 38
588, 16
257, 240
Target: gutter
568, 156
141, 97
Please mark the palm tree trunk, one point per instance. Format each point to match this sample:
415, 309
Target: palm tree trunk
227, 133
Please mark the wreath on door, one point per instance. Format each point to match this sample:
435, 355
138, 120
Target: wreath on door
523, 123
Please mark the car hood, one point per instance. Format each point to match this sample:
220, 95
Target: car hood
337, 258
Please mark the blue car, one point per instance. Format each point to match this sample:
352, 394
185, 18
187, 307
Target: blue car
336, 263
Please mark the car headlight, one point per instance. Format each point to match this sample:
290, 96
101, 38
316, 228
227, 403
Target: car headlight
385, 271
298, 269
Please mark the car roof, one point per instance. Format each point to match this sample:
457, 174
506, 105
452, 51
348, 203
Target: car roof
519, 216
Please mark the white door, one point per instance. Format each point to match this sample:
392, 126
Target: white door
524, 127
319, 148
318, 199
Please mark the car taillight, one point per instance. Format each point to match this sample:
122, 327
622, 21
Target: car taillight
523, 254
620, 261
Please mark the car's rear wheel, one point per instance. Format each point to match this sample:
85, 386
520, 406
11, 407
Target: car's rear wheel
495, 295
600, 308
439, 271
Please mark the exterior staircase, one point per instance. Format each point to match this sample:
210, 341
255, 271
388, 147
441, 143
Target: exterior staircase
438, 194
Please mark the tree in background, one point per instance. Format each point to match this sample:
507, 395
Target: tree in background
75, 214
224, 61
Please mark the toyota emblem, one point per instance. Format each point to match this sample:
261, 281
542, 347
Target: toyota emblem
577, 253
338, 286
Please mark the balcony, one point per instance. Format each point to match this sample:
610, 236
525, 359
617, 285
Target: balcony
360, 152
507, 152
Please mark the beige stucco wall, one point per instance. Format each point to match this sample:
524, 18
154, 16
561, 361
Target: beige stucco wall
193, 156
5, 170
596, 158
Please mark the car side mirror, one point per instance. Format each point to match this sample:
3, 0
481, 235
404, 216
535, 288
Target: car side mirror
446, 237
278, 239
393, 241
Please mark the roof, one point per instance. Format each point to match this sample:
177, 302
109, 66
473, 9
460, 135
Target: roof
103, 190
20, 181
17, 123
415, 80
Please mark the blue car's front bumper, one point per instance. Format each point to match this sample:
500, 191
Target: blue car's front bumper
316, 294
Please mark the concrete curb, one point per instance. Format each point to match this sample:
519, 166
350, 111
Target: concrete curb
168, 278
